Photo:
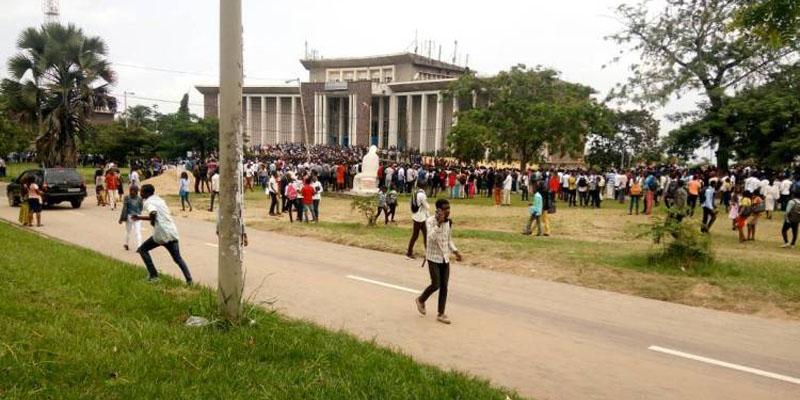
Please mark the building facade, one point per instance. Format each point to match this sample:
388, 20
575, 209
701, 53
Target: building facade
389, 101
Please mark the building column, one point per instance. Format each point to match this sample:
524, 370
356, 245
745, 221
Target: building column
380, 120
316, 119
340, 139
455, 110
248, 111
393, 121
353, 113
409, 120
437, 141
294, 117
263, 133
278, 119
324, 138
423, 124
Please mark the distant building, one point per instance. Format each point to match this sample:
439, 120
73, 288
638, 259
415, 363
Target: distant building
389, 101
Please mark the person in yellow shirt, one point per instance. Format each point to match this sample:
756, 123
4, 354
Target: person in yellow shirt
693, 187
572, 181
745, 210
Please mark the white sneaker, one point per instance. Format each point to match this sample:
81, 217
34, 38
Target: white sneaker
786, 246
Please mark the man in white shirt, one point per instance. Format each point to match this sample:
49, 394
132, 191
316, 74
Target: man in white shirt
751, 184
165, 233
317, 186
214, 188
134, 177
420, 202
507, 183
411, 179
272, 191
437, 254
786, 190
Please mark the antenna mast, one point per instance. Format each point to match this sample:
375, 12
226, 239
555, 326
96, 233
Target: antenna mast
51, 11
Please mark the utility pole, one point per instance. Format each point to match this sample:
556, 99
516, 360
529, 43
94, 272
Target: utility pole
125, 105
231, 76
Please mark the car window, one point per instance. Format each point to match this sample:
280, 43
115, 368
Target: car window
30, 173
62, 175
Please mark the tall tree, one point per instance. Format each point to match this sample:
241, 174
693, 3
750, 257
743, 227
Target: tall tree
631, 138
470, 138
528, 110
776, 22
62, 75
690, 46
184, 107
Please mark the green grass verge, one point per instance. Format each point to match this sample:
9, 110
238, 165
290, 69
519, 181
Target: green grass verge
75, 324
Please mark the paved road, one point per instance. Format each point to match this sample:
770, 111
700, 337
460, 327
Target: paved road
545, 339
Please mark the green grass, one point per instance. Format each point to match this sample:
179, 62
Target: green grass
75, 324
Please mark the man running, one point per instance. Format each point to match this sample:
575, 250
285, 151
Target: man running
165, 233
437, 254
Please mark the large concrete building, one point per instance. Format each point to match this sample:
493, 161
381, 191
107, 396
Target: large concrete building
390, 101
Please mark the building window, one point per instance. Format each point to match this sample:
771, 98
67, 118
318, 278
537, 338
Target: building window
387, 79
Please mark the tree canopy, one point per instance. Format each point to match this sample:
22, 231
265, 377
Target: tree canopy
631, 138
692, 46
521, 113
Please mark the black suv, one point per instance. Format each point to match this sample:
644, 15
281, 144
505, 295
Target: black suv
57, 184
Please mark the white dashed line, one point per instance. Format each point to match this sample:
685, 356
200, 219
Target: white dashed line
724, 364
212, 245
384, 284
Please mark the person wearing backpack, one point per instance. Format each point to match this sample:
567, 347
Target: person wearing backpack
419, 211
391, 202
290, 194
791, 220
709, 209
635, 194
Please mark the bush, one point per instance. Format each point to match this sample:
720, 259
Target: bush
367, 205
678, 243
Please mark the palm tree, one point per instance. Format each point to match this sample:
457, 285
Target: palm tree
61, 76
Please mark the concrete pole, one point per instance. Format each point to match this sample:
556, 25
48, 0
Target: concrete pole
437, 141
409, 121
263, 136
340, 102
393, 120
278, 117
231, 275
294, 117
380, 120
423, 125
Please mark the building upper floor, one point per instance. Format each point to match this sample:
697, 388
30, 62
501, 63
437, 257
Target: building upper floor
386, 69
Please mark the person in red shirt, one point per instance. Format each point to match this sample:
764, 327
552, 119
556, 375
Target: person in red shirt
112, 185
308, 198
340, 170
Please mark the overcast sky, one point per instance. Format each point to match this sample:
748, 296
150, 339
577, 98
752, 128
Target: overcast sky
182, 35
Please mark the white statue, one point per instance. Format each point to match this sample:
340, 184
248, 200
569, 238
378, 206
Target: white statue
366, 181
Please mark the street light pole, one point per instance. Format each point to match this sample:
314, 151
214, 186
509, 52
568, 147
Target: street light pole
125, 105
230, 273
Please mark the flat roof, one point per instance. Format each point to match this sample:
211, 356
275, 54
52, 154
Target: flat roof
380, 60
275, 89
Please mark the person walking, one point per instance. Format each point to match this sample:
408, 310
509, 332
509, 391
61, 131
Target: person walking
112, 182
391, 202
34, 202
99, 187
437, 254
382, 206
214, 188
709, 210
165, 233
535, 211
791, 220
419, 211
131, 205
183, 191
291, 196
272, 190
635, 194
307, 192
318, 188
507, 183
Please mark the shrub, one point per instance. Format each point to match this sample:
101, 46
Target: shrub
367, 205
678, 243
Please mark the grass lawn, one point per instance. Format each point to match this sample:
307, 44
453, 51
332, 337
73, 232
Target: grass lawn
593, 248
75, 324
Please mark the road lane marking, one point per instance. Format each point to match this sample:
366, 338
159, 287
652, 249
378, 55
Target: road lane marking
384, 284
212, 245
78, 213
724, 364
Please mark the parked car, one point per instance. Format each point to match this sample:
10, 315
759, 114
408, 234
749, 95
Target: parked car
57, 184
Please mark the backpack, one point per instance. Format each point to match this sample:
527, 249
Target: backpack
636, 189
794, 214
414, 204
582, 182
291, 192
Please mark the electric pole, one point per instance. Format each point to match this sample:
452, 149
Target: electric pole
231, 76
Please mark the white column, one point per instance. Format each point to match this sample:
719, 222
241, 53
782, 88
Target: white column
423, 124
294, 117
393, 120
409, 120
354, 128
263, 133
324, 133
248, 111
380, 119
316, 119
340, 139
278, 117
437, 141
455, 110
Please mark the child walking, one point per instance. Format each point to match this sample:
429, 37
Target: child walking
131, 205
184, 191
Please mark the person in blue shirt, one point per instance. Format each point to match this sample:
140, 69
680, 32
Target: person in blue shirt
535, 211
709, 209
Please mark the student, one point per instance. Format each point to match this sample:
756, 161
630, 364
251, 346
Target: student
535, 211
165, 233
391, 202
419, 210
709, 210
307, 191
273, 190
291, 196
437, 254
745, 210
693, 187
99, 187
214, 188
635, 194
131, 205
315, 183
183, 191
34, 202
112, 182
382, 206
791, 219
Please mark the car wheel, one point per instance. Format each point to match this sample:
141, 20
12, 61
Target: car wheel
76, 203
12, 200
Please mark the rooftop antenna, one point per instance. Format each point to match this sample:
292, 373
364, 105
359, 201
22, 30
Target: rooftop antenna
466, 63
440, 53
416, 42
306, 56
51, 11
455, 51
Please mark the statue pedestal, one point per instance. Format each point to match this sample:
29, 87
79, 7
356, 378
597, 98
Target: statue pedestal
365, 185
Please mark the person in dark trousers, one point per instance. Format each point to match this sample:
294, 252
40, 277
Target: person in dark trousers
273, 190
165, 233
437, 255
419, 210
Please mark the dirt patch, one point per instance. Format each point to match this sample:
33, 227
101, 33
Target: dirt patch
705, 291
